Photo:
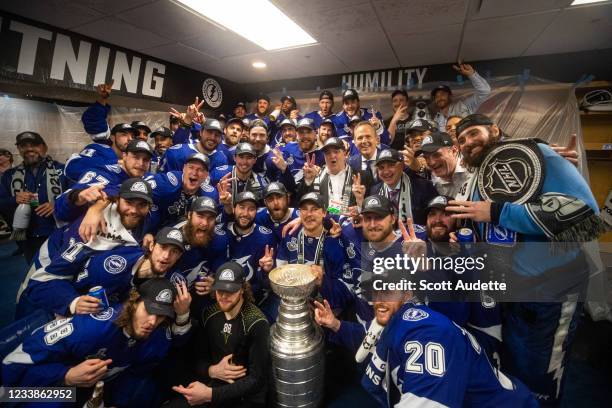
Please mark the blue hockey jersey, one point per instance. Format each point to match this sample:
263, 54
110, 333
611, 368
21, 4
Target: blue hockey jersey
316, 118
175, 157
95, 156
424, 359
247, 250
44, 357
47, 284
263, 218
341, 121
295, 158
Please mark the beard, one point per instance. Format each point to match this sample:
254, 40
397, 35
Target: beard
130, 221
438, 236
377, 234
195, 238
473, 161
32, 160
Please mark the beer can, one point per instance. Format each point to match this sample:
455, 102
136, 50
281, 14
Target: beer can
99, 293
420, 231
465, 235
34, 200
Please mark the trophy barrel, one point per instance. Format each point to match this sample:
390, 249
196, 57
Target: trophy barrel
296, 342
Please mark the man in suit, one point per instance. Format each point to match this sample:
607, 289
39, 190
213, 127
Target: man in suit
368, 143
408, 192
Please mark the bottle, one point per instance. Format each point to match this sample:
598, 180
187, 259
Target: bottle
97, 397
34, 200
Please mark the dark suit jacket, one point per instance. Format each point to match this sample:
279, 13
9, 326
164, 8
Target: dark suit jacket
423, 191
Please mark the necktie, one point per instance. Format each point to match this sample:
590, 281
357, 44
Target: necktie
369, 169
393, 197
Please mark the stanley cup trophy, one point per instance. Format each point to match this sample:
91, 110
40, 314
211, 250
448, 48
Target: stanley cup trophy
296, 341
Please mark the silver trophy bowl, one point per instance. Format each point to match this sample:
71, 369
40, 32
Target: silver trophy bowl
296, 342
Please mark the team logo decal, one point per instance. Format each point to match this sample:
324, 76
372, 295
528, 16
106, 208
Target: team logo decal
103, 315
211, 90
140, 187
511, 172
165, 296
227, 275
414, 315
114, 264
172, 179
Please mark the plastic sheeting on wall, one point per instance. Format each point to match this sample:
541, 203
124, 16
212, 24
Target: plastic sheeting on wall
532, 107
59, 125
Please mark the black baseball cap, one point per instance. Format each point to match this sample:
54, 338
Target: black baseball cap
258, 123
287, 122
399, 92
221, 117
158, 295
329, 122
169, 235
162, 131
433, 142
136, 188
440, 201
275, 187
354, 119
333, 142
288, 97
378, 204
5, 152
174, 119
246, 196
204, 204
229, 277
326, 95
212, 124
475, 119
235, 120
135, 146
240, 104
419, 125
313, 197
122, 127
389, 155
444, 88
264, 97
201, 157
29, 137
350, 94
141, 125
245, 148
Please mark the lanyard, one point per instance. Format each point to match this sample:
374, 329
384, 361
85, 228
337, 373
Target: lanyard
318, 251
346, 184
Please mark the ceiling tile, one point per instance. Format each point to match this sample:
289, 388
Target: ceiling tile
110, 7
180, 54
503, 37
222, 43
169, 20
60, 13
496, 8
415, 49
414, 16
576, 29
119, 32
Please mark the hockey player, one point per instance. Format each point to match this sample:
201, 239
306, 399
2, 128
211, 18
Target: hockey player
261, 109
296, 153
162, 137
251, 245
94, 184
350, 108
326, 104
231, 137
423, 358
277, 213
558, 207
108, 144
124, 221
119, 346
209, 139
